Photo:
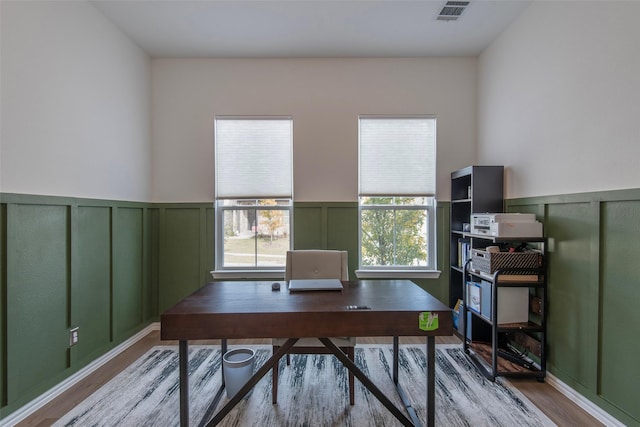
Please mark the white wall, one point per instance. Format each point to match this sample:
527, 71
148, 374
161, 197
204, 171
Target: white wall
75, 104
324, 96
559, 99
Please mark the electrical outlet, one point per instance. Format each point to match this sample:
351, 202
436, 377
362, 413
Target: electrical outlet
73, 336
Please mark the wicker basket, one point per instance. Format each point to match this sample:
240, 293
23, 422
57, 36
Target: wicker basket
489, 262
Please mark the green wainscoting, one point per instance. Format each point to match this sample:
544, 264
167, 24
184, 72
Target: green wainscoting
37, 317
594, 292
327, 226
129, 266
69, 262
112, 267
619, 288
91, 287
185, 250
3, 307
439, 288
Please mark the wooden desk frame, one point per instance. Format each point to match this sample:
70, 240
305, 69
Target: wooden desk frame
206, 315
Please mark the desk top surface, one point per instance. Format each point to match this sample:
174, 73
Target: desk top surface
254, 310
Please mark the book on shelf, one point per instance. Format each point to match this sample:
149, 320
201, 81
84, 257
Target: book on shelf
464, 252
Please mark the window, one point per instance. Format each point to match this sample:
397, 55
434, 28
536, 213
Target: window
397, 193
254, 192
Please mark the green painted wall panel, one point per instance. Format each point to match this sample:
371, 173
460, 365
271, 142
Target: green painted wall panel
153, 238
620, 290
307, 227
208, 259
594, 278
572, 311
3, 305
91, 288
148, 288
57, 272
342, 233
127, 275
327, 226
179, 254
439, 287
37, 291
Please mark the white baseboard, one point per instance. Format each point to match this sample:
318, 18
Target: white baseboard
46, 397
591, 408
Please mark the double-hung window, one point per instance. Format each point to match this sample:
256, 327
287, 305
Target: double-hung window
397, 195
254, 192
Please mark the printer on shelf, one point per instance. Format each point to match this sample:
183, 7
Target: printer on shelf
505, 225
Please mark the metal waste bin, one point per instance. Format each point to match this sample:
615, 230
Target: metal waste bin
237, 368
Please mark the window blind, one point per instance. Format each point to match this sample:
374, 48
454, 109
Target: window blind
253, 158
397, 156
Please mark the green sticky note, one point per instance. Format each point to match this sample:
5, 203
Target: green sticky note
428, 321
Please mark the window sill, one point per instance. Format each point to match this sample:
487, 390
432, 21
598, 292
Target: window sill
248, 274
397, 274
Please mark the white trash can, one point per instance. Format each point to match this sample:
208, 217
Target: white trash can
237, 368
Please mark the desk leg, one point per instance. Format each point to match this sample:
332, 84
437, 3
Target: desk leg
396, 381
184, 383
396, 349
431, 380
223, 351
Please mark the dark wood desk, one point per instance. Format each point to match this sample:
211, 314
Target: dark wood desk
227, 310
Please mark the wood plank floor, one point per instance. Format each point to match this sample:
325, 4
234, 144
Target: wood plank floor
556, 406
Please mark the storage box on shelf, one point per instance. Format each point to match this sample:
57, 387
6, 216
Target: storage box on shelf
520, 264
513, 303
482, 334
490, 262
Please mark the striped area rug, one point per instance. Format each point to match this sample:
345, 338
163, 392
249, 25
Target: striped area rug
313, 391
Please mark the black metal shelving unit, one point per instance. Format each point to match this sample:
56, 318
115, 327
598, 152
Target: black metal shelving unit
513, 349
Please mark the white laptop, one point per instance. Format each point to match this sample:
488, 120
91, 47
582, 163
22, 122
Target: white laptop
298, 285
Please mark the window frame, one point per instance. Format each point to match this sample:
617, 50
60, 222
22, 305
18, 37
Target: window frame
256, 271
394, 271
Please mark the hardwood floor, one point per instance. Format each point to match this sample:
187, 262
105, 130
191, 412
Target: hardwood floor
556, 406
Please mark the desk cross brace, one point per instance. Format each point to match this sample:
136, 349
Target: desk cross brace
372, 387
271, 363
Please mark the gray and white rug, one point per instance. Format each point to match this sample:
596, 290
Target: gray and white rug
313, 391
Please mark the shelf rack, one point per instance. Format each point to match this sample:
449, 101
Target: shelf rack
513, 349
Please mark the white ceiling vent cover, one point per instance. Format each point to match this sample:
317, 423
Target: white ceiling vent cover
452, 10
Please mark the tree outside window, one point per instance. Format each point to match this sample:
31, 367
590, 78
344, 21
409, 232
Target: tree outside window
392, 235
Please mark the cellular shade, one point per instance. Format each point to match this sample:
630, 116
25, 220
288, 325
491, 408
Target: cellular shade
397, 156
253, 158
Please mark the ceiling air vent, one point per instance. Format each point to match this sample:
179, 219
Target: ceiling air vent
452, 10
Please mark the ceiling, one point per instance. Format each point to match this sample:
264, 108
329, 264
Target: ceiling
308, 28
